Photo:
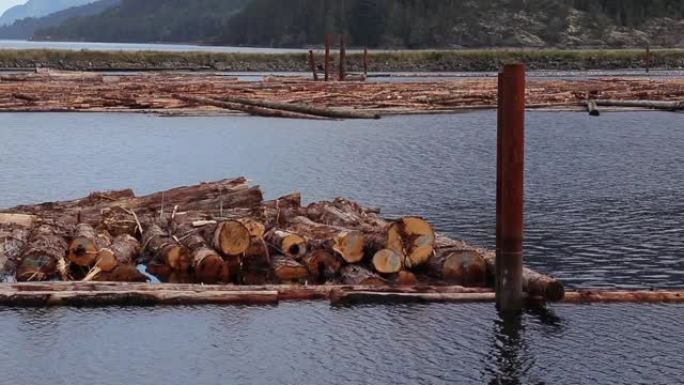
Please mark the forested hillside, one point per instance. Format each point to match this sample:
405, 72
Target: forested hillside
388, 23
38, 8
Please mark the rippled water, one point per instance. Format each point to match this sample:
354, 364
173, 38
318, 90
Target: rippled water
604, 208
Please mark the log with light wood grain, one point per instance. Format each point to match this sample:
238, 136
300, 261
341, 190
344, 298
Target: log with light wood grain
83, 246
207, 265
346, 214
162, 249
460, 267
387, 261
230, 238
410, 237
286, 269
358, 275
114, 262
287, 243
348, 244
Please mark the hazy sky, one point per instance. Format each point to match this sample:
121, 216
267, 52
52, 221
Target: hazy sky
4, 4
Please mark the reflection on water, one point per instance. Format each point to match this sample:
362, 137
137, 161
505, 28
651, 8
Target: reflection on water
604, 208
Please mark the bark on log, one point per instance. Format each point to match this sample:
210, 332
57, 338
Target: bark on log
388, 261
346, 214
207, 265
161, 248
322, 265
252, 110
287, 269
653, 104
83, 246
535, 284
13, 240
303, 108
461, 267
357, 275
44, 256
123, 251
287, 243
121, 273
276, 213
348, 244
22, 220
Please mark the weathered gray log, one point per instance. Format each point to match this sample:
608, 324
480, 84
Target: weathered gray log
303, 108
653, 104
358, 275
13, 240
252, 110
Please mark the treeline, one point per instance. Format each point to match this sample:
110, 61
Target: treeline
379, 23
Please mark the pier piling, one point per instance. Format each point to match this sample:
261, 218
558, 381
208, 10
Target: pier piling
327, 57
343, 58
312, 64
511, 164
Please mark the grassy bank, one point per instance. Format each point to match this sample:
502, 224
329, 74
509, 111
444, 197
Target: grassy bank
385, 61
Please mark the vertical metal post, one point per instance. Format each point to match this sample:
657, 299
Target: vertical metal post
499, 120
312, 64
327, 57
343, 58
365, 63
647, 60
511, 200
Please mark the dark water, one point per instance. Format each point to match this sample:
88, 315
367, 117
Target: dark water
604, 208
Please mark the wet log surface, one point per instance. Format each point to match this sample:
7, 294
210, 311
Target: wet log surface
223, 232
74, 91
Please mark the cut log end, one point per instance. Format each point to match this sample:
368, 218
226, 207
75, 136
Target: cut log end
388, 261
289, 270
413, 237
208, 266
232, 238
350, 246
83, 251
178, 258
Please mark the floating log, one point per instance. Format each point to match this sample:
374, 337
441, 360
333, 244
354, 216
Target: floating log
312, 65
287, 243
411, 237
136, 298
592, 108
363, 297
357, 275
303, 108
286, 269
460, 267
653, 104
83, 247
252, 110
162, 249
388, 261
607, 296
348, 244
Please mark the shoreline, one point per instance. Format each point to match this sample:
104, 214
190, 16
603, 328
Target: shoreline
379, 61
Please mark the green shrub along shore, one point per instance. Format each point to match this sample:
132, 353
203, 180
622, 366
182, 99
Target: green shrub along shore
381, 61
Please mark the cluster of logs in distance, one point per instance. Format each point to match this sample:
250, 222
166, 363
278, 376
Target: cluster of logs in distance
224, 232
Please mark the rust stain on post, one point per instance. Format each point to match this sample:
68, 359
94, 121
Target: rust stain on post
511, 199
343, 58
327, 57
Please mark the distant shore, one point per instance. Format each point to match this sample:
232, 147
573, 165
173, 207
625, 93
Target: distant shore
381, 61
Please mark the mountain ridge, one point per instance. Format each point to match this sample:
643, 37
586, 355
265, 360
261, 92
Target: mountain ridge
37, 8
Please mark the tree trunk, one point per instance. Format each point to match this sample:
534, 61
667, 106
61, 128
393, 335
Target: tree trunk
388, 261
83, 246
349, 244
287, 269
357, 275
286, 243
461, 267
164, 250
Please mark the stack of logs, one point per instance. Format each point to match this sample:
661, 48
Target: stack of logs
224, 232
